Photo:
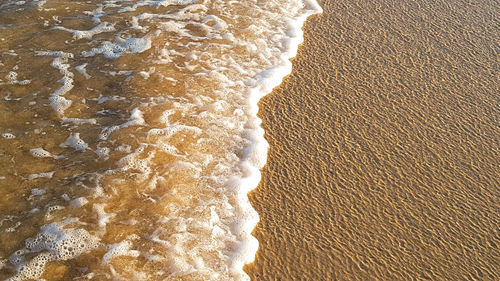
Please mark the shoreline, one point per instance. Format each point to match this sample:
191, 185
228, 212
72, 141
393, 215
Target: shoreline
256, 154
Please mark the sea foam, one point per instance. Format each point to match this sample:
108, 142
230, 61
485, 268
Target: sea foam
158, 141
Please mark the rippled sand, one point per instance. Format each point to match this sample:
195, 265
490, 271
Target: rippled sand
384, 159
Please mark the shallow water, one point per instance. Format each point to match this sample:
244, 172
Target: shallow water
130, 137
384, 159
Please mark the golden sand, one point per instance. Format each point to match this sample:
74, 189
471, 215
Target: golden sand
384, 147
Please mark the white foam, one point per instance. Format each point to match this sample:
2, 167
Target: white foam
79, 202
8, 98
40, 3
103, 152
12, 79
79, 121
38, 191
83, 71
119, 249
255, 154
51, 209
8, 136
136, 119
53, 242
194, 164
124, 148
75, 142
88, 34
46, 175
11, 76
120, 47
57, 101
102, 217
154, 3
42, 153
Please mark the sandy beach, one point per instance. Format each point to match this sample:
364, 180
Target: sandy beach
384, 147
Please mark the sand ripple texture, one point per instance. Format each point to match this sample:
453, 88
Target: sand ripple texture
384, 159
129, 136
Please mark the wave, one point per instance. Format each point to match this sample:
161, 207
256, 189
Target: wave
141, 168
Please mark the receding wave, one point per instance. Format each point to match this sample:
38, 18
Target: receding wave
130, 136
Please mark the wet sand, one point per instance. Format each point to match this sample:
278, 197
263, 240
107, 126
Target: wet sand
384, 147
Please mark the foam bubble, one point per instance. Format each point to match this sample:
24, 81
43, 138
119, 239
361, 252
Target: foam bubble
103, 217
75, 142
54, 242
103, 152
96, 14
38, 191
79, 202
41, 153
120, 47
88, 34
79, 121
57, 101
12, 79
136, 119
8, 136
83, 71
124, 148
119, 249
51, 209
11, 76
46, 175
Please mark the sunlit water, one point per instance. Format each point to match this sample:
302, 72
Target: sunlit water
129, 135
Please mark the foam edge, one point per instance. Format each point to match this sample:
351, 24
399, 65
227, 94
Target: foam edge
256, 153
